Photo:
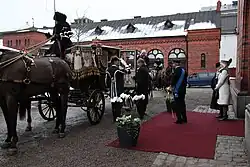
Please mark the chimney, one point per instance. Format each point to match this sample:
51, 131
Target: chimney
218, 7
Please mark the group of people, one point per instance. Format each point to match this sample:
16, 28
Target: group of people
221, 89
116, 83
142, 79
220, 83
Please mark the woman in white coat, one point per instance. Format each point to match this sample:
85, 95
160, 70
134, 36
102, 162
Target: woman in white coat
224, 89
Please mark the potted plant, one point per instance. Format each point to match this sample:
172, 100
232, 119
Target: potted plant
128, 130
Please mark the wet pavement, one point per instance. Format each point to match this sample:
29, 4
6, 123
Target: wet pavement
84, 145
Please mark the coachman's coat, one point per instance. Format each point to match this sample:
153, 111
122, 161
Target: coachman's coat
61, 27
223, 87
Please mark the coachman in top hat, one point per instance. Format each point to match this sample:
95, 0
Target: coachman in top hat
62, 33
115, 81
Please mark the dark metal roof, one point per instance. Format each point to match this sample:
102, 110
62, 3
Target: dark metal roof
206, 16
228, 22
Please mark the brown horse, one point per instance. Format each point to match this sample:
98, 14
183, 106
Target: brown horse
21, 78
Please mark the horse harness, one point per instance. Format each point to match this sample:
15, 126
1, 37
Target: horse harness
28, 62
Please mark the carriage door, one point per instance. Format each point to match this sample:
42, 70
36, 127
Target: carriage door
178, 54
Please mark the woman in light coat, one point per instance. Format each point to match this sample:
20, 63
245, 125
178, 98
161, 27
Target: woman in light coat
224, 88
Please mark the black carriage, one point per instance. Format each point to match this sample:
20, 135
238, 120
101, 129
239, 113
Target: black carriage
88, 64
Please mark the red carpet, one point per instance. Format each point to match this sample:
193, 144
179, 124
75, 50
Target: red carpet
197, 138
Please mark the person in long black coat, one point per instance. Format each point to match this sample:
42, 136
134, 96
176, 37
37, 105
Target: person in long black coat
62, 33
178, 85
215, 95
142, 86
114, 74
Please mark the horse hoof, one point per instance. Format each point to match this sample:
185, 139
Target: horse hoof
5, 145
12, 151
61, 135
28, 129
55, 131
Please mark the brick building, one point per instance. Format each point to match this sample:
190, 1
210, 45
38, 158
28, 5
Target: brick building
24, 38
194, 38
240, 87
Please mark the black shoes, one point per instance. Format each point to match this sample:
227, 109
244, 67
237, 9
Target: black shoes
223, 118
181, 122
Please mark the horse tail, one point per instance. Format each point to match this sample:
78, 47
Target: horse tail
22, 109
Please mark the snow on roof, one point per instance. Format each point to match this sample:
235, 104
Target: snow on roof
45, 30
8, 49
202, 25
141, 31
23, 30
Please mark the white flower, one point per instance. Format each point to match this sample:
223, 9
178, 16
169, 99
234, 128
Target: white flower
116, 99
137, 120
138, 97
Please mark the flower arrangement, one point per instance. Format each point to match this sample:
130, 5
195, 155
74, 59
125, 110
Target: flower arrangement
169, 97
124, 97
138, 97
130, 125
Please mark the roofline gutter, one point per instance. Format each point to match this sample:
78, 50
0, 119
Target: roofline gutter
187, 57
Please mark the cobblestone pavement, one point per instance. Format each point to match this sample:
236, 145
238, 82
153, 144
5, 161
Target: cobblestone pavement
229, 152
85, 145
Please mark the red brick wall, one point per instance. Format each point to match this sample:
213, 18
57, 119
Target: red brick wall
243, 46
34, 38
201, 41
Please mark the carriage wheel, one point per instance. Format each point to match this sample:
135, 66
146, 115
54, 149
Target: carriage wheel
45, 108
95, 107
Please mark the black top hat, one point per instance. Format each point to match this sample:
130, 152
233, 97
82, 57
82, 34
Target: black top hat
60, 17
114, 58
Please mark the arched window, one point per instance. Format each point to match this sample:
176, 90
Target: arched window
153, 55
177, 53
203, 60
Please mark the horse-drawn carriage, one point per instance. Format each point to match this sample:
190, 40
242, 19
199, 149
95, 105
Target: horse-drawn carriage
88, 88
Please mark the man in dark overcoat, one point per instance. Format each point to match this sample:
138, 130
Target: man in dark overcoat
115, 79
62, 33
178, 86
215, 96
142, 86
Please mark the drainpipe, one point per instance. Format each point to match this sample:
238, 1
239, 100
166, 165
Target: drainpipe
186, 39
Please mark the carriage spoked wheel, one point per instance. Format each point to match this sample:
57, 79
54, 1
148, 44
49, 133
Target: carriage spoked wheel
46, 108
95, 107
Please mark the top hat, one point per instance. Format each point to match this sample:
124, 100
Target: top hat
114, 58
226, 62
60, 17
